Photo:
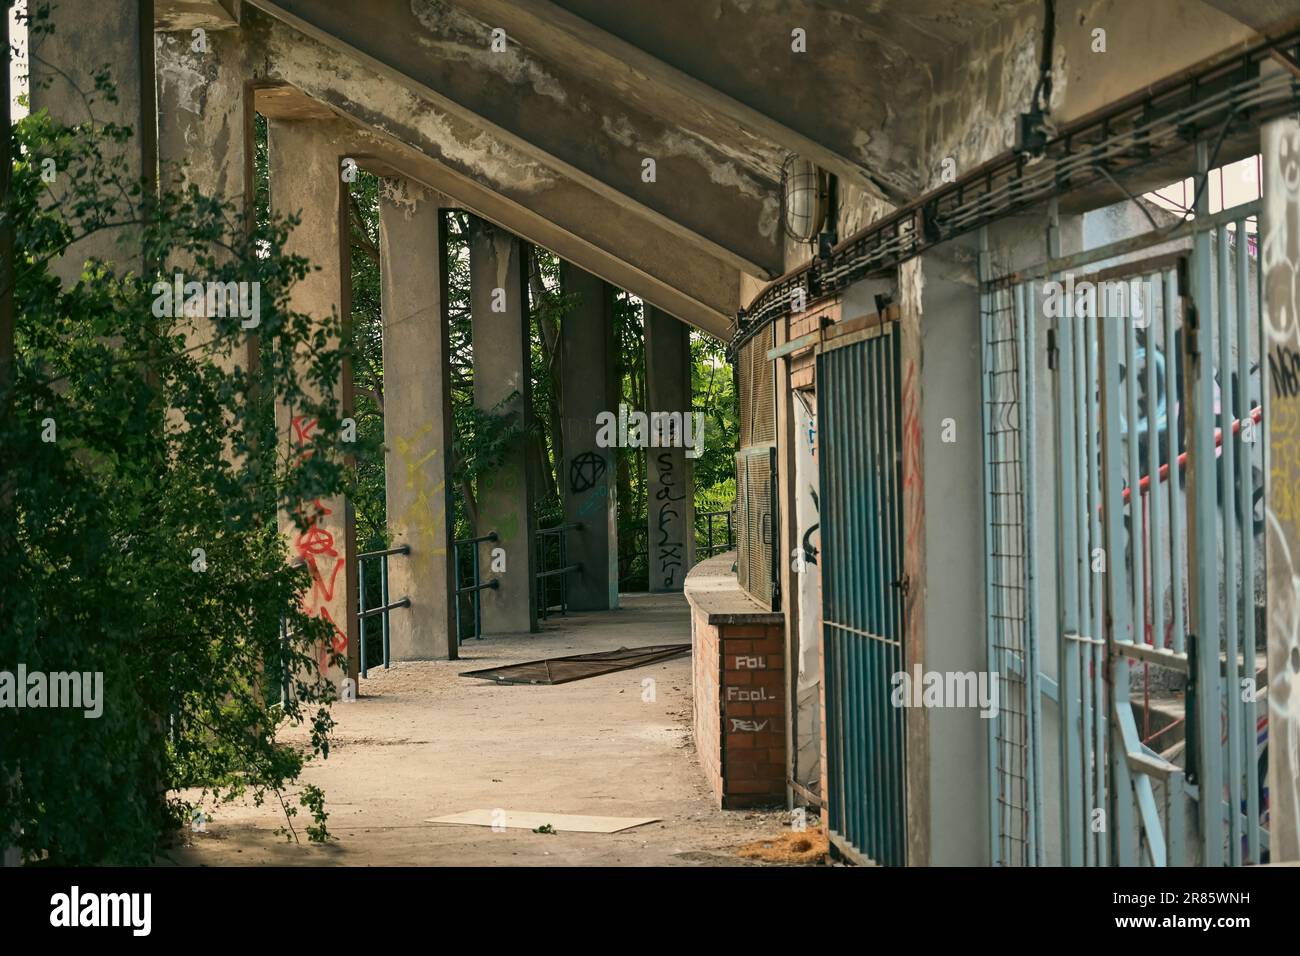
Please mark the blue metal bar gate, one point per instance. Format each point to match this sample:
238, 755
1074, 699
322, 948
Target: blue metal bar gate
862, 600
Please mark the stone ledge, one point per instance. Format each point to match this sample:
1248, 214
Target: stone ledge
713, 590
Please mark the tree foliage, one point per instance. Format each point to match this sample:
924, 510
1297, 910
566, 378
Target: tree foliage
140, 483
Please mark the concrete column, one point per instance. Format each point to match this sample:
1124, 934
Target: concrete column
670, 487
942, 483
1280, 234
205, 114
417, 419
205, 138
84, 37
589, 386
305, 180
503, 386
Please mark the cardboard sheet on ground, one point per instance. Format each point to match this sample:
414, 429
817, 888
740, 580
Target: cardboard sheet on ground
561, 670
527, 820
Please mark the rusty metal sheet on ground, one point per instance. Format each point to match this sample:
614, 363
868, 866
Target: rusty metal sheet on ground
562, 670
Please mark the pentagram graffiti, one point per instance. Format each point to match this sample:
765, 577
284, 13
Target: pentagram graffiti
585, 470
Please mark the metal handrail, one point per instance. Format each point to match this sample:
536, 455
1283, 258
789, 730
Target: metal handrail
544, 573
564, 570
711, 549
400, 549
404, 602
364, 613
477, 586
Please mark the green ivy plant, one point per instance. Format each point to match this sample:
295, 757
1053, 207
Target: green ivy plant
128, 441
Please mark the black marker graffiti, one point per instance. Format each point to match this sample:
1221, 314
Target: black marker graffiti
670, 546
585, 471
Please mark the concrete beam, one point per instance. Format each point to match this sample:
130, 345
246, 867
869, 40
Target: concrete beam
723, 200
492, 178
1259, 14
656, 86
418, 429
384, 155
588, 473
670, 485
187, 15
860, 87
503, 386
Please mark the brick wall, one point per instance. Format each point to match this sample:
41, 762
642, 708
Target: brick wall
753, 694
739, 688
706, 667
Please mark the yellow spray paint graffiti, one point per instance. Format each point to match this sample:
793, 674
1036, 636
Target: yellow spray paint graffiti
424, 519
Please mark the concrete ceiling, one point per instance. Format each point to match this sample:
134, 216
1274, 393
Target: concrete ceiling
882, 54
548, 137
560, 123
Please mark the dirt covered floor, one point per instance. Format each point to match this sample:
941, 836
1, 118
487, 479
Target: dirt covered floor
422, 742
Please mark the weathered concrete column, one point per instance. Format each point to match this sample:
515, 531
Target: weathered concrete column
1280, 229
205, 113
63, 62
589, 386
503, 386
205, 135
305, 180
417, 420
670, 486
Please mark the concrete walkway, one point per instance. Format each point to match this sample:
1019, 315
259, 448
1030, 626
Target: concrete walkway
423, 742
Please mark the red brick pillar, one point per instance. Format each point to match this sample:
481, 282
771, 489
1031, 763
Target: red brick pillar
752, 700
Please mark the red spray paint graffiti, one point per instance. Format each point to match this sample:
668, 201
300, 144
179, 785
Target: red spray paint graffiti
314, 546
913, 476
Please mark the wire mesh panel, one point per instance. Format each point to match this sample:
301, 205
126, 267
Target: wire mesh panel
1011, 639
862, 613
755, 510
755, 473
757, 392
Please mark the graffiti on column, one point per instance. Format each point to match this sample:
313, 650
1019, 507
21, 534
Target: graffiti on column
1280, 264
586, 477
423, 519
314, 546
913, 477
585, 470
670, 548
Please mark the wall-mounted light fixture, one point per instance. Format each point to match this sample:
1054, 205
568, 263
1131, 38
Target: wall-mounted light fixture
805, 198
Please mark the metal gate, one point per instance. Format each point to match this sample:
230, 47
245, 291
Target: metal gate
862, 604
1156, 398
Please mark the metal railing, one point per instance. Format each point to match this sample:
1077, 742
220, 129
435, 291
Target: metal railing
711, 547
553, 542
476, 586
364, 613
